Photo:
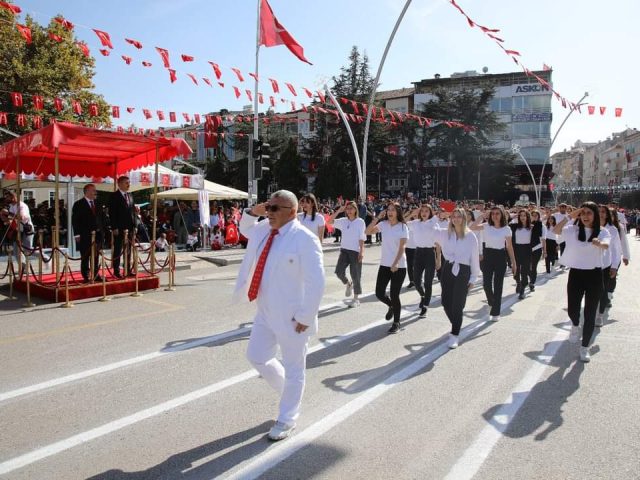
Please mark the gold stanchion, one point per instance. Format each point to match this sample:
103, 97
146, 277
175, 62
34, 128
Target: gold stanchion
12, 275
28, 303
40, 242
104, 279
112, 250
56, 254
66, 272
170, 286
92, 260
135, 270
19, 260
125, 253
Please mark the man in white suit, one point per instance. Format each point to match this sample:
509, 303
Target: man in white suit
283, 271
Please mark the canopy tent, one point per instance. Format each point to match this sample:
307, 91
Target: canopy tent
141, 179
214, 190
73, 150
84, 151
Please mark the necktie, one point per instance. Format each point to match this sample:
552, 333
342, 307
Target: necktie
126, 197
257, 274
93, 206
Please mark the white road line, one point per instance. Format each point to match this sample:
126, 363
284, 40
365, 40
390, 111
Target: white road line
277, 454
75, 440
468, 465
139, 359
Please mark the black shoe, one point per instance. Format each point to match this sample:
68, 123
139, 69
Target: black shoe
421, 302
389, 314
521, 296
411, 285
395, 326
423, 312
532, 287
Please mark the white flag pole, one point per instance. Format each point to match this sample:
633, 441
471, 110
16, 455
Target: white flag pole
251, 164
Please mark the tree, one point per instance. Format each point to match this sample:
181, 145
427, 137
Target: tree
47, 68
466, 148
287, 172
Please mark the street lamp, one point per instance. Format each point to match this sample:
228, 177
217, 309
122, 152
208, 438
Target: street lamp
515, 148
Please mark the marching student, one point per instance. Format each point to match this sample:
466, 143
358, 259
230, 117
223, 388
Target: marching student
498, 246
585, 242
611, 259
424, 268
538, 246
521, 237
393, 263
551, 244
460, 270
624, 249
351, 249
310, 217
560, 215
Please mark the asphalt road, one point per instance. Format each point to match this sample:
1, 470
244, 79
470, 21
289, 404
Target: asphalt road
158, 387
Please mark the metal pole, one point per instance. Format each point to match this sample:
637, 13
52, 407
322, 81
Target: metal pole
250, 166
56, 212
256, 134
363, 193
155, 214
17, 220
516, 149
373, 93
586, 94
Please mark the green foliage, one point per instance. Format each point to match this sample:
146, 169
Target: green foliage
46, 68
287, 172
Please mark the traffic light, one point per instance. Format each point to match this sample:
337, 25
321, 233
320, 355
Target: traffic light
260, 155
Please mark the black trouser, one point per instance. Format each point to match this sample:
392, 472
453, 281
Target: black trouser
385, 275
494, 265
587, 284
411, 253
117, 252
424, 267
536, 255
606, 285
454, 294
349, 258
523, 262
562, 245
84, 247
614, 281
552, 254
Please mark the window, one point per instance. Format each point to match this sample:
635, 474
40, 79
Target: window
500, 104
27, 195
531, 130
532, 102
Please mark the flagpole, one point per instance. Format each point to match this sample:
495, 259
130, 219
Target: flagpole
251, 167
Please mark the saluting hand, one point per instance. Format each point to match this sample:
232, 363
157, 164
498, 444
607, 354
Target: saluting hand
300, 327
259, 210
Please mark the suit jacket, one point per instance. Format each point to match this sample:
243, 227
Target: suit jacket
295, 279
122, 217
84, 221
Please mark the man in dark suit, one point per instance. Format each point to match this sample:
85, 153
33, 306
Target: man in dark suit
85, 218
123, 217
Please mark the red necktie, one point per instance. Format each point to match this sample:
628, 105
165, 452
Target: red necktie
257, 274
93, 207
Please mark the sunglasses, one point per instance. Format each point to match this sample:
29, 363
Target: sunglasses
275, 208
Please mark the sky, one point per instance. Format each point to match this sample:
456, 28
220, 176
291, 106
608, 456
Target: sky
591, 46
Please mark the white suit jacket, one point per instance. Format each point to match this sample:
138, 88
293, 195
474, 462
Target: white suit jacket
293, 282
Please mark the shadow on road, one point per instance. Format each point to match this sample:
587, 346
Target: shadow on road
541, 412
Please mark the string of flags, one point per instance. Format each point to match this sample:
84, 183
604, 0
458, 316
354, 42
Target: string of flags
515, 55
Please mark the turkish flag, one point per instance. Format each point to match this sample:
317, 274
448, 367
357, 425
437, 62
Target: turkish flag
3, 118
249, 95
66, 24
238, 74
127, 60
186, 116
164, 54
291, 89
104, 38
618, 112
193, 78
591, 109
236, 91
207, 81
130, 109
448, 206
25, 32
21, 120
272, 32
196, 117
15, 9
602, 110
57, 103
274, 85
172, 75
216, 70
186, 181
160, 114
105, 52
38, 104
93, 109
187, 58
146, 64
172, 116
147, 113
135, 43
16, 99
83, 46
115, 111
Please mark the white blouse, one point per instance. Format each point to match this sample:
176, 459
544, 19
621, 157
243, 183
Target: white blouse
312, 225
391, 237
424, 233
523, 236
582, 255
613, 255
463, 251
495, 237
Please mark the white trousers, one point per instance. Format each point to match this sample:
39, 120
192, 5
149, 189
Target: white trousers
287, 377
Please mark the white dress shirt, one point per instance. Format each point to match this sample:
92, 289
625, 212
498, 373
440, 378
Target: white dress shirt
582, 255
314, 224
495, 237
460, 251
523, 236
424, 233
613, 255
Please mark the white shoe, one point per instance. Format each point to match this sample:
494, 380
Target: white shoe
494, 318
280, 431
348, 290
600, 320
574, 336
585, 356
453, 341
354, 303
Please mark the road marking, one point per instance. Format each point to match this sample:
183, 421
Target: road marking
75, 440
139, 359
468, 465
282, 451
84, 326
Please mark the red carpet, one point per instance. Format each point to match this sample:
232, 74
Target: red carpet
78, 290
